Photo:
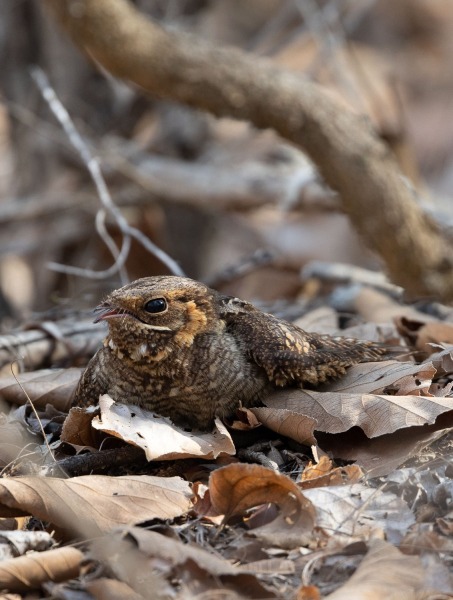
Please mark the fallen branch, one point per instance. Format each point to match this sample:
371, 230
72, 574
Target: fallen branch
50, 342
227, 82
95, 462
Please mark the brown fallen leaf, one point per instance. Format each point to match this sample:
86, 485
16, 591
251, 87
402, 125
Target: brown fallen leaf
421, 333
147, 560
93, 504
238, 487
158, 436
48, 386
104, 588
376, 415
32, 570
77, 429
384, 573
324, 474
298, 427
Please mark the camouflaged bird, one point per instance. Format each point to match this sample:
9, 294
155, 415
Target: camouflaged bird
184, 351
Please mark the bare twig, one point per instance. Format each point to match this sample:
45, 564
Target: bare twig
84, 464
108, 207
43, 433
257, 259
32, 347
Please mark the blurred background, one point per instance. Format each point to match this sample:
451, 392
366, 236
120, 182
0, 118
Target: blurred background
235, 207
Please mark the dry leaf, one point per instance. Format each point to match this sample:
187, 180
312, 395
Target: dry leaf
48, 386
296, 426
382, 455
378, 307
77, 429
158, 436
236, 488
324, 474
422, 334
16, 543
144, 558
360, 512
376, 415
104, 588
383, 573
93, 504
34, 569
13, 439
388, 377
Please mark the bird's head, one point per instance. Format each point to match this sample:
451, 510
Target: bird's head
150, 317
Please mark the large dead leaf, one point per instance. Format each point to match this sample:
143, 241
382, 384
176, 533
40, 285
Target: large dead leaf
382, 455
397, 378
147, 560
238, 487
93, 504
48, 386
32, 570
384, 573
360, 512
376, 415
158, 436
294, 425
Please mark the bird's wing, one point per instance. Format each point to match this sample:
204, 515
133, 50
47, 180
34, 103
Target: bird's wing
290, 355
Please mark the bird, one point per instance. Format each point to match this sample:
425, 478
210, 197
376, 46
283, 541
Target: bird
184, 351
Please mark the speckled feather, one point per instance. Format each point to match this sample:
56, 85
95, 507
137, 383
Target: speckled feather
205, 354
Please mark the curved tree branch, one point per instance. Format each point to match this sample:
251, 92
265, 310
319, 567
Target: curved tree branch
227, 82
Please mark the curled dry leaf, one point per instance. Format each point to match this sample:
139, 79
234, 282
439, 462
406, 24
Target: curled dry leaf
360, 512
32, 570
376, 415
422, 334
48, 386
236, 488
145, 560
443, 360
77, 428
384, 573
158, 436
93, 504
16, 543
324, 474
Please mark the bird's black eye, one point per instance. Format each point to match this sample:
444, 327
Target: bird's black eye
156, 305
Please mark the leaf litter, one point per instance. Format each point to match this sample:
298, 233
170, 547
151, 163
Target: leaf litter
245, 530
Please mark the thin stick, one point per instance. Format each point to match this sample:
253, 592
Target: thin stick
36, 413
108, 207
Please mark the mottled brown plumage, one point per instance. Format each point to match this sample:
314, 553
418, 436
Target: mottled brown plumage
182, 350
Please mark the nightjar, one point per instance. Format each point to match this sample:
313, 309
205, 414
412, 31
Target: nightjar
185, 351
